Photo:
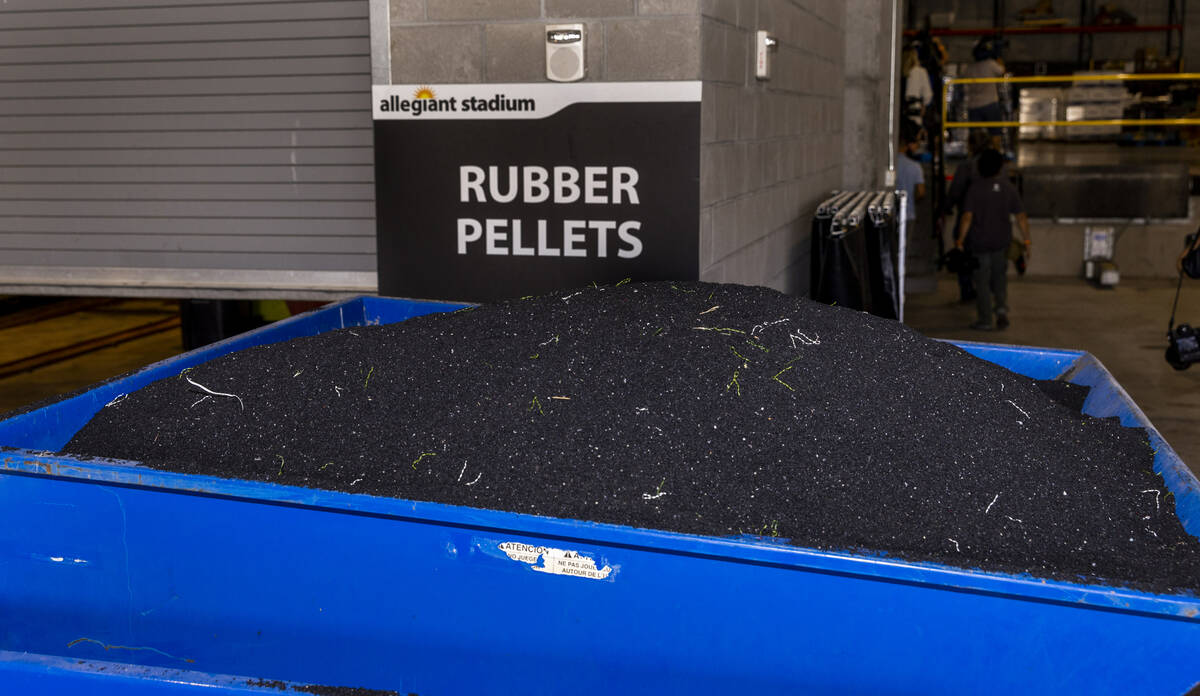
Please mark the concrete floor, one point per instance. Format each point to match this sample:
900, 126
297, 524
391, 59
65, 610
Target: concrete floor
25, 340
1125, 328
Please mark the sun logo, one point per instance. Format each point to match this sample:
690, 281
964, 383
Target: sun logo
423, 92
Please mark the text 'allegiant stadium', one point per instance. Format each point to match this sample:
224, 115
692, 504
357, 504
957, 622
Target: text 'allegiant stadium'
416, 107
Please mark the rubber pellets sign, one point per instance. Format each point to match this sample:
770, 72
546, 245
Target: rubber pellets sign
486, 192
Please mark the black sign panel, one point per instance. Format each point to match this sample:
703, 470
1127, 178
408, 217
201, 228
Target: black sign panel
478, 209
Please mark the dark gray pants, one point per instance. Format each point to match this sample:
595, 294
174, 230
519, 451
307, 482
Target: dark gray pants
991, 284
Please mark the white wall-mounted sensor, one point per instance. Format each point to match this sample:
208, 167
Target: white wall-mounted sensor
764, 46
564, 52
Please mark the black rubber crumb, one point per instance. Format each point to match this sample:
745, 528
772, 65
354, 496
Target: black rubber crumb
321, 690
697, 408
1070, 395
342, 691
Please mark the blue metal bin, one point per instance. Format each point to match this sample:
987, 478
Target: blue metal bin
115, 578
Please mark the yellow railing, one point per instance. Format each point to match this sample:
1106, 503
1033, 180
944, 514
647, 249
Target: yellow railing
1124, 77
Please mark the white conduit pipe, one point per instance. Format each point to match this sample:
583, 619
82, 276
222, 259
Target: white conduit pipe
890, 179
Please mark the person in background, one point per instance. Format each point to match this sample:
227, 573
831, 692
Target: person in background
918, 92
986, 230
909, 176
1190, 245
983, 101
935, 66
956, 197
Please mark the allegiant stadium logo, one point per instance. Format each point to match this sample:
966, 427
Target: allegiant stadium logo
425, 100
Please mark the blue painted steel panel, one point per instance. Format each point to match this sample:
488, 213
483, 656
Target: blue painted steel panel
1038, 363
192, 576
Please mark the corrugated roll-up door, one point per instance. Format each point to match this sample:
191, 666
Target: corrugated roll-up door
186, 147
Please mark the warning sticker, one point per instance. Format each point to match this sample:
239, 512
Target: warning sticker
555, 561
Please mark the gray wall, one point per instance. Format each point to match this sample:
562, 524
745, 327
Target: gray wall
770, 151
867, 71
197, 143
1144, 250
469, 41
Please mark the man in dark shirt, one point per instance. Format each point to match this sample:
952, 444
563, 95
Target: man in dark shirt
986, 230
964, 175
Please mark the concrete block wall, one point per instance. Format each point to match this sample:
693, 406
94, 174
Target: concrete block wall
770, 151
865, 106
473, 41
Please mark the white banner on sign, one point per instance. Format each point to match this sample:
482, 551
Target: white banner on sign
516, 100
